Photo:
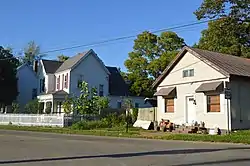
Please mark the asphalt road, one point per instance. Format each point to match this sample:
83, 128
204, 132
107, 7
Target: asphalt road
45, 149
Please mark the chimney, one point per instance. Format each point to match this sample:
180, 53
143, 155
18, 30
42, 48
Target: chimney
35, 66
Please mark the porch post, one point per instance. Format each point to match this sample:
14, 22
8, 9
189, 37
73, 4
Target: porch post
44, 108
52, 106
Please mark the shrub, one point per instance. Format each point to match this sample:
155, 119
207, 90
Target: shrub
111, 121
135, 114
89, 125
31, 107
15, 108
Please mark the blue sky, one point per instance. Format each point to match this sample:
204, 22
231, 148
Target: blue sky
63, 23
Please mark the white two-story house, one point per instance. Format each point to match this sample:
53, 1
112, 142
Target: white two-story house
58, 79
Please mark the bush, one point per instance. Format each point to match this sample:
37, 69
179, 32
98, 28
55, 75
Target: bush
89, 125
15, 108
135, 114
31, 107
111, 121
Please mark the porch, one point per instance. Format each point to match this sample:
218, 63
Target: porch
52, 102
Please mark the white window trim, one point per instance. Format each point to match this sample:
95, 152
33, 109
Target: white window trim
188, 73
222, 105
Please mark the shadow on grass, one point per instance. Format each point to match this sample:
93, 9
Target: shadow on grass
134, 154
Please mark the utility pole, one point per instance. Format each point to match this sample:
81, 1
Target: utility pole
228, 96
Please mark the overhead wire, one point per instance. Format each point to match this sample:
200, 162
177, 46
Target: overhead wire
93, 44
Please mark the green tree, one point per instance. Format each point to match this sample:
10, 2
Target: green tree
150, 57
62, 58
89, 102
32, 52
230, 32
8, 80
67, 105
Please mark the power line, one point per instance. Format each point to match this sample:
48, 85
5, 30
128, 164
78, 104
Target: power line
119, 38
125, 37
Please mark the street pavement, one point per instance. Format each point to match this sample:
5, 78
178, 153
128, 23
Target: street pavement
46, 149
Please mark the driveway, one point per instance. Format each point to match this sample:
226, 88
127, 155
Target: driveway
36, 149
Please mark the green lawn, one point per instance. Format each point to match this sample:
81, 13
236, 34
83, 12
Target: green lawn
239, 137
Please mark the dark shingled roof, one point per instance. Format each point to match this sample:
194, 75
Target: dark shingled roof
117, 85
69, 63
224, 63
51, 66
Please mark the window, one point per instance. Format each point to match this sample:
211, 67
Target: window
101, 90
58, 82
34, 93
79, 82
136, 105
62, 81
188, 73
213, 103
42, 85
66, 81
169, 105
119, 104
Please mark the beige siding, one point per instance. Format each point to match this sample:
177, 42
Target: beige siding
240, 104
186, 87
202, 71
179, 116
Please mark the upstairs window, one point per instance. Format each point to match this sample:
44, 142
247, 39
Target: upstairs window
188, 73
63, 81
66, 78
101, 90
42, 85
58, 82
79, 81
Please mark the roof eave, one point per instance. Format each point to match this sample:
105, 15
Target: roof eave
184, 50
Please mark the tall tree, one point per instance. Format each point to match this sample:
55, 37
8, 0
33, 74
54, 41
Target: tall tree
31, 52
230, 32
149, 58
8, 80
62, 58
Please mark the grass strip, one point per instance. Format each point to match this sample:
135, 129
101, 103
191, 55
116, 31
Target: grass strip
239, 137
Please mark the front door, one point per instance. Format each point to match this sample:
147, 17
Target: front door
190, 110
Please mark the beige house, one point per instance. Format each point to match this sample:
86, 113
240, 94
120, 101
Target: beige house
193, 87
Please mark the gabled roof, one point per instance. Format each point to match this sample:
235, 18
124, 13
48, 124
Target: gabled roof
51, 66
69, 63
224, 63
117, 85
28, 66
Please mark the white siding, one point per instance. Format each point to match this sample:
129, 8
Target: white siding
186, 87
240, 105
50, 83
93, 73
27, 81
62, 76
140, 100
